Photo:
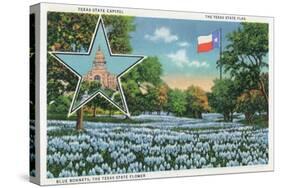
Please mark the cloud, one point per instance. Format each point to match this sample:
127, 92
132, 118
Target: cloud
181, 59
198, 64
162, 33
183, 44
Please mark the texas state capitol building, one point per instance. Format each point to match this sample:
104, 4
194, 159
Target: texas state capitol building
100, 74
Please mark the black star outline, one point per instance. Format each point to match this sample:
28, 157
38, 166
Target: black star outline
72, 110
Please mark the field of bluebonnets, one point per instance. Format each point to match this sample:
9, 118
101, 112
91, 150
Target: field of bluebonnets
160, 143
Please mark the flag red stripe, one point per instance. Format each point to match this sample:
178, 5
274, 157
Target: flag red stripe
204, 47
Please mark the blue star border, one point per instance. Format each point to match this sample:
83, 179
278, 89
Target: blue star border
80, 77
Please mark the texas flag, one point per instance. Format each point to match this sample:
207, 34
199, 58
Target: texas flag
208, 42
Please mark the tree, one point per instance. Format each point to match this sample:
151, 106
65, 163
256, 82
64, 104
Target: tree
245, 58
140, 84
149, 100
249, 103
224, 97
132, 94
59, 105
162, 97
177, 102
197, 101
150, 70
79, 121
86, 88
73, 32
265, 88
99, 102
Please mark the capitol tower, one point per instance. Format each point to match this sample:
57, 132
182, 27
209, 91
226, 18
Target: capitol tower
99, 72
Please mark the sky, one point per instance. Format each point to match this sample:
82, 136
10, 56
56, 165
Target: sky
174, 42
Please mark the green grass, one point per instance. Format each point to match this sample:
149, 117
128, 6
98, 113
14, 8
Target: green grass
64, 132
106, 119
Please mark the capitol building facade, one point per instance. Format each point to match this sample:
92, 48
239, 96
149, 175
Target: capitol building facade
99, 73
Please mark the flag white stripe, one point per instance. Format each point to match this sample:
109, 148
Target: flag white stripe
205, 39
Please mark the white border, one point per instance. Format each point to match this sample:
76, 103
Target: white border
44, 7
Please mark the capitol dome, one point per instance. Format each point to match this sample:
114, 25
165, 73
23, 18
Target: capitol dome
99, 58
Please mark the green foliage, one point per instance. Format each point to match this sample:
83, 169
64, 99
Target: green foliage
59, 105
73, 32
245, 58
197, 101
149, 70
101, 103
247, 51
89, 88
223, 97
162, 96
118, 32
250, 103
141, 85
86, 88
260, 121
133, 96
177, 102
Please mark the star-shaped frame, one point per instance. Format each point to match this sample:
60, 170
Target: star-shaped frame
73, 60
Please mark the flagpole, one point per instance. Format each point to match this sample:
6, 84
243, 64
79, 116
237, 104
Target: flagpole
220, 53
